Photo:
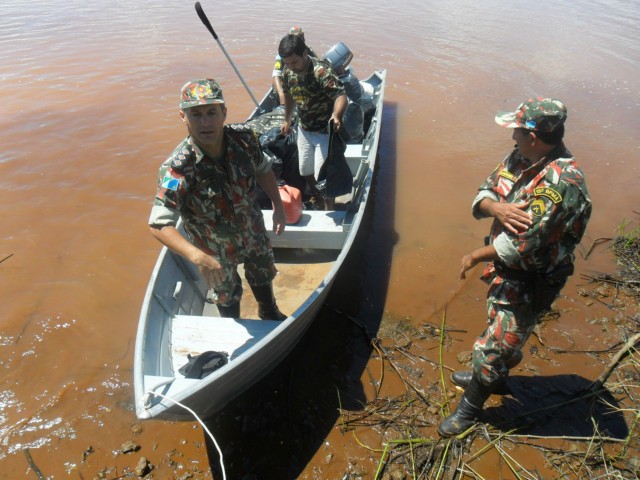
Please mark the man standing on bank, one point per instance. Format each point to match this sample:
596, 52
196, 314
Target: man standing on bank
210, 182
313, 87
540, 204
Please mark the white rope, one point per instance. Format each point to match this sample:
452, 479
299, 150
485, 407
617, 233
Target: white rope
224, 475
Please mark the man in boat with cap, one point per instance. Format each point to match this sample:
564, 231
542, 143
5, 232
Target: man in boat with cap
539, 201
210, 182
312, 87
278, 67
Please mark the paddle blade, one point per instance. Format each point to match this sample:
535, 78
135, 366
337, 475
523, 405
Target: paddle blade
205, 20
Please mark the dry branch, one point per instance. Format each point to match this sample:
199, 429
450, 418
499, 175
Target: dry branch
624, 351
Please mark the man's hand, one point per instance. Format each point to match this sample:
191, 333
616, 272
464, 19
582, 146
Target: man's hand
339, 107
483, 254
285, 129
467, 263
210, 269
512, 215
279, 220
336, 123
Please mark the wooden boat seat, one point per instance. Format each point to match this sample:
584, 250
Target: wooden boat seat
323, 229
194, 335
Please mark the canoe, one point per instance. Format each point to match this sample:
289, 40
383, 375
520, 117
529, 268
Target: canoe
178, 320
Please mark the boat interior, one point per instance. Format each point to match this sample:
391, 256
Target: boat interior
305, 254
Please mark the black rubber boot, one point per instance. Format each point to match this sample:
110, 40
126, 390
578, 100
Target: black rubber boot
463, 378
267, 307
229, 311
468, 409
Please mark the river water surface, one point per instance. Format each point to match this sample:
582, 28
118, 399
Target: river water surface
89, 94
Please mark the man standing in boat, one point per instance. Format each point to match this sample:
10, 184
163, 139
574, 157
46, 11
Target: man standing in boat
313, 87
209, 181
278, 67
540, 204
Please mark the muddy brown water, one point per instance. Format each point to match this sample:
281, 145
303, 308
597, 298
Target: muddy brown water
89, 111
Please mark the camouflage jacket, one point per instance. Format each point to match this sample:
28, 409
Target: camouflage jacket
216, 198
314, 93
558, 201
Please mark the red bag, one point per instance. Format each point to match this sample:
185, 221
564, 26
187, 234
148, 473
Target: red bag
292, 202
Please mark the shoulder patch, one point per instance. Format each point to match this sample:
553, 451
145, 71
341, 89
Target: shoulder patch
178, 160
239, 127
507, 174
181, 157
170, 183
549, 193
241, 132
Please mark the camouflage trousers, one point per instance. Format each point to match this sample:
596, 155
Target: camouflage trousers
514, 307
259, 269
499, 348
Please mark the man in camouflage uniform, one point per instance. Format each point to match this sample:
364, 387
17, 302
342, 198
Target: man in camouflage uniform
313, 87
210, 182
278, 66
540, 204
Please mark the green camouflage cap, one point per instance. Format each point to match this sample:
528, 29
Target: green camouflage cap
200, 92
541, 114
296, 31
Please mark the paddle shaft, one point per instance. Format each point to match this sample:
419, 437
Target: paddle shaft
207, 24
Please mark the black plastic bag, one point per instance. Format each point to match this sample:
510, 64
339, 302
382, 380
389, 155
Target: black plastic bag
334, 178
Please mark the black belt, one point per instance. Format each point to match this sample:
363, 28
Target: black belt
561, 272
545, 287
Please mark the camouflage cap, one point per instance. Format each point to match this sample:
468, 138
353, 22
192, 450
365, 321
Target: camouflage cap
200, 92
541, 114
296, 31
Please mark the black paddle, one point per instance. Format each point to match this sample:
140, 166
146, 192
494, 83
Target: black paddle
207, 24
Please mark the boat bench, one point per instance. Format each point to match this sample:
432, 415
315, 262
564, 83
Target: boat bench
194, 335
322, 229
317, 229
354, 156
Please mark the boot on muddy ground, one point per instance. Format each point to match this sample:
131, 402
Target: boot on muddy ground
468, 410
462, 379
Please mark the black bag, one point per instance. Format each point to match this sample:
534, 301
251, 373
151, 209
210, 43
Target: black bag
199, 366
285, 149
334, 178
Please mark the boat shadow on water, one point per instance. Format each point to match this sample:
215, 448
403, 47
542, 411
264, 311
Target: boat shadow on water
274, 429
